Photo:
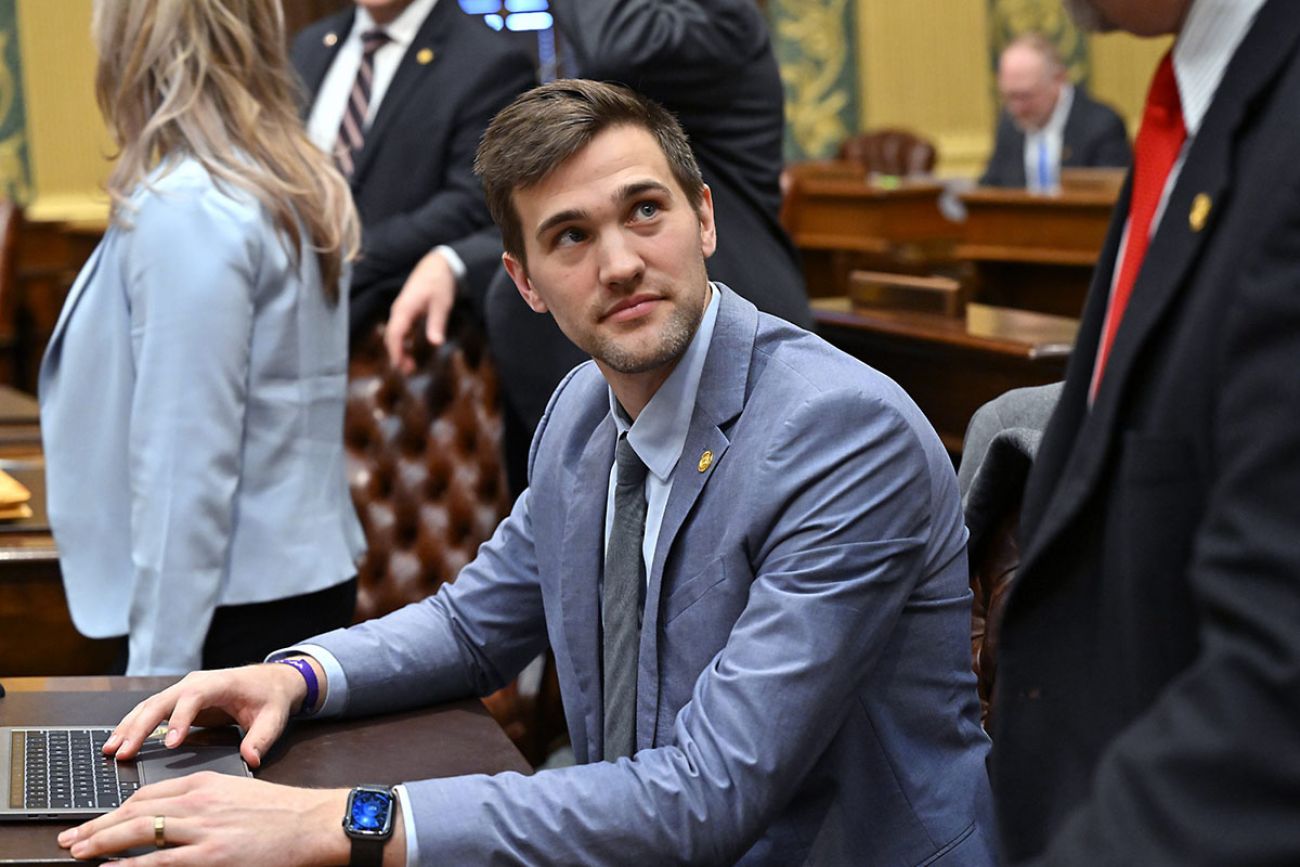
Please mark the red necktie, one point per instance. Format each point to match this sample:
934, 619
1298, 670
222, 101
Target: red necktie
1159, 141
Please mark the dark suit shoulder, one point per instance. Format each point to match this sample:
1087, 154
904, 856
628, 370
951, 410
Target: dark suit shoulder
312, 37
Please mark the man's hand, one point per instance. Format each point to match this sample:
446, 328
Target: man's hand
430, 291
259, 698
217, 819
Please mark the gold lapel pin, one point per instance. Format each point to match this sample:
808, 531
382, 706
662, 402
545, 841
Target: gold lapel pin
1200, 212
330, 40
424, 56
706, 460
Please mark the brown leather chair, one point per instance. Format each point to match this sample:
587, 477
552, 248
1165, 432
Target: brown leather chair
890, 152
425, 469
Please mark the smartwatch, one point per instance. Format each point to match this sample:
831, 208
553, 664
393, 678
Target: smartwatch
368, 822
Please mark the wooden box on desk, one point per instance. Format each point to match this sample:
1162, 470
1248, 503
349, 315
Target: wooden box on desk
951, 365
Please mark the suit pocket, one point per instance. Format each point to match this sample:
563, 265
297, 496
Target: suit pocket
690, 591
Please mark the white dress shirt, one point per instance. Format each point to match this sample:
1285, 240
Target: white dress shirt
332, 98
1049, 142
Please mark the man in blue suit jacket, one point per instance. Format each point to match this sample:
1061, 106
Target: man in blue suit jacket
803, 686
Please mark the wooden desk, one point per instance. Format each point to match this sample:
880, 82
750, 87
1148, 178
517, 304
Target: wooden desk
951, 366
36, 632
449, 740
840, 220
1032, 251
20, 424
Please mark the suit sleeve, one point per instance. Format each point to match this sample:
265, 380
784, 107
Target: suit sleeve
1004, 152
481, 255
1113, 148
391, 247
833, 570
619, 39
1220, 748
191, 268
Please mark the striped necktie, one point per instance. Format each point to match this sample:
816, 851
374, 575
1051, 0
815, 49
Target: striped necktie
352, 132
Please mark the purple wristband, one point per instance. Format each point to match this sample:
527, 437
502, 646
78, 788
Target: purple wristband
313, 685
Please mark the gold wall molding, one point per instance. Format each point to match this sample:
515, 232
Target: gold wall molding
67, 142
815, 50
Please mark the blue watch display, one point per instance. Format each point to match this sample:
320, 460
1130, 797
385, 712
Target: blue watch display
368, 821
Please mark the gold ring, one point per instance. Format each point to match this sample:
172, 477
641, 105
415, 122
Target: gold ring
159, 831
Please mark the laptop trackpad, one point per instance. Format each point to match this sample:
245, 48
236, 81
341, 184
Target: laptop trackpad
211, 749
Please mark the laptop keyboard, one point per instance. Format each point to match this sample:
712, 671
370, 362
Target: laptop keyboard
65, 769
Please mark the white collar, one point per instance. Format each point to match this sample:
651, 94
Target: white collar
1208, 39
404, 27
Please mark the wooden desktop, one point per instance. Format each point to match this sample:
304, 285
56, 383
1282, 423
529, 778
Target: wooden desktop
443, 741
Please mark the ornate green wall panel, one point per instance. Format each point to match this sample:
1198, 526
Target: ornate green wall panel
15, 176
1010, 18
814, 42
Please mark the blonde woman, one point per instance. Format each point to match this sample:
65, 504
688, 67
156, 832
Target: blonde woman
192, 394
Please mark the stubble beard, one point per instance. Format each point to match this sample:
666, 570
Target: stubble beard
672, 341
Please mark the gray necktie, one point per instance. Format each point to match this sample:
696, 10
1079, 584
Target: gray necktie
620, 614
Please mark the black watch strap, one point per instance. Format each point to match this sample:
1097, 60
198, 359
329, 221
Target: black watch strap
367, 853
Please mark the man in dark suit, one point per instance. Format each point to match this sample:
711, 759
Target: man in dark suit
1048, 123
1148, 699
711, 63
435, 79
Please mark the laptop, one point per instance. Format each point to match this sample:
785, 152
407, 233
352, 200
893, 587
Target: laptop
59, 772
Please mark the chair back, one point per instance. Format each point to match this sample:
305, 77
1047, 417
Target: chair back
890, 152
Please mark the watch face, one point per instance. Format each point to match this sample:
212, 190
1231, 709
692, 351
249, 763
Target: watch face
370, 813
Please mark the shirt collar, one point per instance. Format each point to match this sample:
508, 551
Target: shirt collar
1207, 41
1060, 114
659, 433
403, 28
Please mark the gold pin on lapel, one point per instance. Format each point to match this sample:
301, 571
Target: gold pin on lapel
706, 460
1200, 212
330, 40
424, 56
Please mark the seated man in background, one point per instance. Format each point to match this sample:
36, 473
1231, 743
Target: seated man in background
400, 92
1048, 123
711, 63
745, 548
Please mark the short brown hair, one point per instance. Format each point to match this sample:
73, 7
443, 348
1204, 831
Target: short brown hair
530, 138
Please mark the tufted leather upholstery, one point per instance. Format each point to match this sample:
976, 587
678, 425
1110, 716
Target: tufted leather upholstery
890, 152
425, 469
424, 463
992, 569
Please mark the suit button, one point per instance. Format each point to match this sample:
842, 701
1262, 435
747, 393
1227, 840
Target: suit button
1031, 694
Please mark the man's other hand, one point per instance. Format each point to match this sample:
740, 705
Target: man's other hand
430, 291
259, 698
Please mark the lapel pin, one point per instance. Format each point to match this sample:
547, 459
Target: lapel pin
1200, 212
424, 56
330, 40
706, 460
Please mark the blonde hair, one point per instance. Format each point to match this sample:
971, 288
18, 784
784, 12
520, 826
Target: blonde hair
209, 79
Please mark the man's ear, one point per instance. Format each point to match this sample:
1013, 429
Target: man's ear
708, 228
519, 274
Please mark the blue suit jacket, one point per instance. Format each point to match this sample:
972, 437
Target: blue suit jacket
805, 693
192, 416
